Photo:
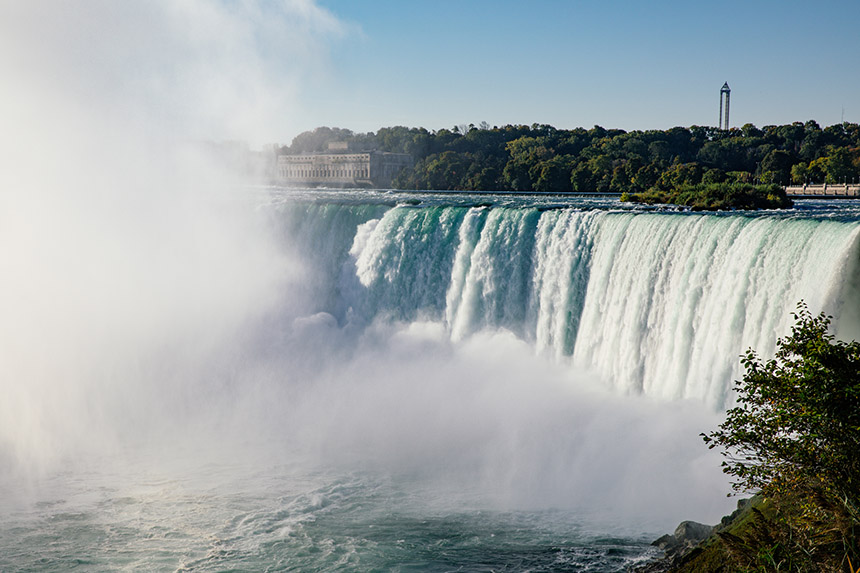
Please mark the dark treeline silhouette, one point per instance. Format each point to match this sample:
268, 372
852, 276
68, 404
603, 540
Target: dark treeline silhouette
543, 158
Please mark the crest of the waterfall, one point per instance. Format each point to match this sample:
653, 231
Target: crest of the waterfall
655, 304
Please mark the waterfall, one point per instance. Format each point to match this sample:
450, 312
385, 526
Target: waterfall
661, 304
673, 300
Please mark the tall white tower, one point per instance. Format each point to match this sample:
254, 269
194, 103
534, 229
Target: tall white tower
727, 92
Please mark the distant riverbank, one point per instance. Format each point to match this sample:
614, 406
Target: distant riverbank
823, 190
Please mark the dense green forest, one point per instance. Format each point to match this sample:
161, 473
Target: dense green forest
543, 158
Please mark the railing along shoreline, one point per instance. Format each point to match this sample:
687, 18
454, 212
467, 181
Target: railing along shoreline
834, 190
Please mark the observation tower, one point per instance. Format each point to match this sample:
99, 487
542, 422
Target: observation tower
727, 92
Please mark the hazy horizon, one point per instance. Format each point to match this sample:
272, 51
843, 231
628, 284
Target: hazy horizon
265, 72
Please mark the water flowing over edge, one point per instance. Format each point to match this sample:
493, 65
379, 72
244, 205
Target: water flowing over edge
422, 373
656, 304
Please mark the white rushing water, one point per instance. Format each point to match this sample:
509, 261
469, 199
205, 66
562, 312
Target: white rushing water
431, 386
657, 304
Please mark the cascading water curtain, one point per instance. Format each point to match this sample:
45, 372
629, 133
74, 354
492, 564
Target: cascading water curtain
658, 304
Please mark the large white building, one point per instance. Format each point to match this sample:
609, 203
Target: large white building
365, 169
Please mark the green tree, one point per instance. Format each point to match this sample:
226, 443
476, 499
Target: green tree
713, 176
574, 142
600, 167
729, 154
739, 176
679, 175
817, 170
523, 168
487, 179
800, 173
646, 176
554, 174
620, 182
776, 167
790, 136
516, 176
535, 157
797, 419
442, 171
839, 165
317, 140
750, 131
660, 152
795, 436
581, 178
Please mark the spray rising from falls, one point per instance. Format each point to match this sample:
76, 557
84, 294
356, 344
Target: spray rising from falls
657, 304
376, 367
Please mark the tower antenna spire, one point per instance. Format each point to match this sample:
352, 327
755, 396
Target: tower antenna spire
725, 94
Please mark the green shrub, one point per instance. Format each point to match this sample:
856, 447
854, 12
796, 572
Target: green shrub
716, 196
795, 436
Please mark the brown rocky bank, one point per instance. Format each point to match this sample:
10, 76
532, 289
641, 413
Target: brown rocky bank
700, 548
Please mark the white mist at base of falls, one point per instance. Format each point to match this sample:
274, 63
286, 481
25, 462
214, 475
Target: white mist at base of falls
439, 384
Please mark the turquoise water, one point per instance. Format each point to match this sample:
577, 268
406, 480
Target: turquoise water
415, 382
277, 519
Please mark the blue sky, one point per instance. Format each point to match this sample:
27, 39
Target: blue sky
265, 70
624, 64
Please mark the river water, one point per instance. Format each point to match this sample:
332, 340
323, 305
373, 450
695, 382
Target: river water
415, 382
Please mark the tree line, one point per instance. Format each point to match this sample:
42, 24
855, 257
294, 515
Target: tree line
546, 159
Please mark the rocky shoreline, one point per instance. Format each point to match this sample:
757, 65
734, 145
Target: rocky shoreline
688, 541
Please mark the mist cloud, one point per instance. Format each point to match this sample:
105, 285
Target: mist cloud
193, 68
144, 300
121, 245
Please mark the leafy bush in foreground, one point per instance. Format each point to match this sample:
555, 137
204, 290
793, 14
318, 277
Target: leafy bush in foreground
795, 436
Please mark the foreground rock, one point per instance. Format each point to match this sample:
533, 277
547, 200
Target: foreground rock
688, 535
688, 541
